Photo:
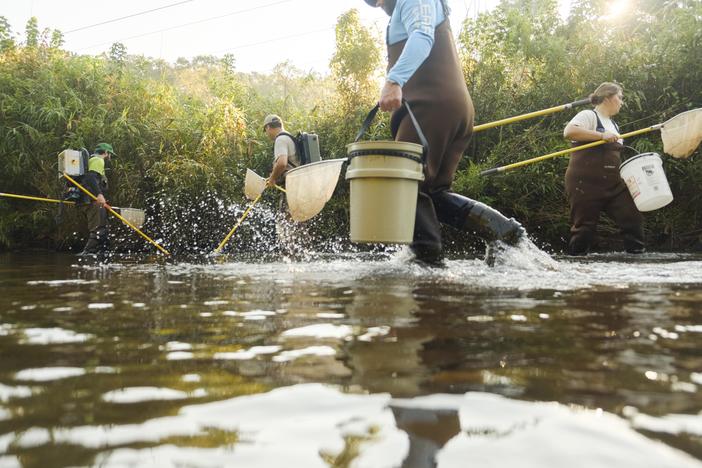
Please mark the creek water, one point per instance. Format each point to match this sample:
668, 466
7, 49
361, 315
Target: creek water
363, 360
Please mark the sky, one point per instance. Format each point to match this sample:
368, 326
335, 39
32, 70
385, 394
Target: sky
259, 33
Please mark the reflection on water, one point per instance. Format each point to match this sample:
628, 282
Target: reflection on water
352, 360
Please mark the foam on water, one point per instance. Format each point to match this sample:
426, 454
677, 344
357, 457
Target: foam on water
524, 267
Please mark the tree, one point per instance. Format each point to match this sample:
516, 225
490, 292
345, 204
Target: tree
6, 40
32, 32
355, 62
118, 53
56, 39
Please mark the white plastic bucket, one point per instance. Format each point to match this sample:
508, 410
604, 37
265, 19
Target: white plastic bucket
646, 181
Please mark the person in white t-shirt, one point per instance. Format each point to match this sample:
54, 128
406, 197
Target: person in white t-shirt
285, 155
592, 180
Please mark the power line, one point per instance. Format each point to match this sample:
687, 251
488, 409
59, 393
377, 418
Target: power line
128, 16
212, 18
276, 39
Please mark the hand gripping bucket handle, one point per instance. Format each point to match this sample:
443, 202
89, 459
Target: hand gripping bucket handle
420, 133
384, 177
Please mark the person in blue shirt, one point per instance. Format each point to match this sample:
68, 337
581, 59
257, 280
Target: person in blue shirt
423, 68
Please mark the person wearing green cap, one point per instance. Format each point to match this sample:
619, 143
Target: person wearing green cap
94, 210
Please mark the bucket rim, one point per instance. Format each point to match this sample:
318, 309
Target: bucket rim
374, 144
638, 156
390, 153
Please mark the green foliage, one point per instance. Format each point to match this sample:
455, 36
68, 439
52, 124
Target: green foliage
355, 62
6, 40
32, 32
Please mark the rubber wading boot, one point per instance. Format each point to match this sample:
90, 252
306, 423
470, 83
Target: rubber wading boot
427, 256
92, 247
426, 243
98, 242
466, 214
580, 242
633, 243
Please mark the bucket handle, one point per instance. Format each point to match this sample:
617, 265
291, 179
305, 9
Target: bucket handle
420, 134
635, 151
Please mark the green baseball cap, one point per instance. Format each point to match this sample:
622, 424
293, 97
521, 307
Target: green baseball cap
106, 147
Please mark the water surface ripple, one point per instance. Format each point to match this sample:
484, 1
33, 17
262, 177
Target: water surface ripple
363, 360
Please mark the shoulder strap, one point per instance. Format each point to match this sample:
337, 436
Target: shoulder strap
285, 134
294, 140
600, 128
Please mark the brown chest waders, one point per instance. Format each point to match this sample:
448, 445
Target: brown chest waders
593, 186
444, 109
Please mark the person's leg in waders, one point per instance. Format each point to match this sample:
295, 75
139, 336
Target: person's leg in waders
98, 234
623, 211
466, 214
436, 204
584, 216
426, 241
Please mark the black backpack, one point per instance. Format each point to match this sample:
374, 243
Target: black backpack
306, 147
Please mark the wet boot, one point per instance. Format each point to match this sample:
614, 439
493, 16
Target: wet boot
580, 242
466, 214
426, 243
103, 239
634, 239
98, 242
634, 245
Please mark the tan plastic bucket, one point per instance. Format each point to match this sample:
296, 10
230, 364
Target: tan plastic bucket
384, 178
646, 181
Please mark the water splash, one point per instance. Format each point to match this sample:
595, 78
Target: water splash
524, 256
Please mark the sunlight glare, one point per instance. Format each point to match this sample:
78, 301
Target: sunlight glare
617, 8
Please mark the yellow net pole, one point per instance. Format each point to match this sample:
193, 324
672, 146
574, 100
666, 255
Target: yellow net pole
231, 233
496, 170
517, 118
27, 197
117, 215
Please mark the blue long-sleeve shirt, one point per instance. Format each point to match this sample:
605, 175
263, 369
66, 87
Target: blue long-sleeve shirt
414, 20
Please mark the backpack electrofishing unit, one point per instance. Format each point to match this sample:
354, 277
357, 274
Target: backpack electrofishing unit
306, 147
75, 164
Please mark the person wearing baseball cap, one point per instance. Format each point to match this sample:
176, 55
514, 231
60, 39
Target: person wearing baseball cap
285, 155
96, 182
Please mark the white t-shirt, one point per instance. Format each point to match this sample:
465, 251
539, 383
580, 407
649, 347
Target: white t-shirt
588, 120
285, 146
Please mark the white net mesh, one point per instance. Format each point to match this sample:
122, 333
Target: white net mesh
682, 134
310, 187
134, 215
254, 185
